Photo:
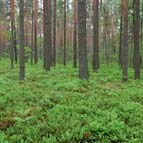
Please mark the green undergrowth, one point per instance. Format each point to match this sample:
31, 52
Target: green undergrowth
57, 107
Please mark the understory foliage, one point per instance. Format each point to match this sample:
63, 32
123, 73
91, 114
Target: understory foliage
57, 107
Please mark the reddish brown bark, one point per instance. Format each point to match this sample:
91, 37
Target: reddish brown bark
27, 23
35, 31
54, 32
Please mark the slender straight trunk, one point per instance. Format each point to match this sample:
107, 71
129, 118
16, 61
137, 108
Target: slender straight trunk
121, 32
131, 50
60, 39
82, 44
113, 35
15, 48
95, 36
27, 24
65, 21
54, 32
47, 34
141, 41
13, 29
41, 37
12, 33
21, 41
105, 39
75, 35
124, 50
45, 51
137, 39
35, 31
1, 39
32, 35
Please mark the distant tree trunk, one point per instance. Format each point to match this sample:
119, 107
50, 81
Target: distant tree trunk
65, 21
27, 23
124, 50
75, 35
113, 34
136, 39
32, 35
12, 33
95, 36
21, 41
106, 50
15, 48
35, 31
47, 34
83, 64
60, 33
54, 32
13, 28
1, 39
121, 32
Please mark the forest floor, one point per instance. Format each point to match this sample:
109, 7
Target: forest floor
57, 107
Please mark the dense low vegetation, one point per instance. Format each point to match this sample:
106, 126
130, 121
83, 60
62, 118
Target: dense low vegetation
57, 107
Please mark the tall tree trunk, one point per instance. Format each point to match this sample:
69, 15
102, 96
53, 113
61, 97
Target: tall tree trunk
82, 44
15, 48
47, 34
95, 36
75, 35
136, 39
113, 35
54, 32
21, 41
106, 50
121, 32
32, 33
35, 31
27, 23
124, 50
13, 28
65, 21
141, 42
12, 33
61, 33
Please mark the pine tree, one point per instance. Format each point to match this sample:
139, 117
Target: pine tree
136, 39
21, 40
83, 63
95, 36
